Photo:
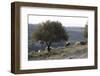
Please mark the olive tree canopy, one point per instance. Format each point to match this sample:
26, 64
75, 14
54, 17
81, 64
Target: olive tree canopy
49, 32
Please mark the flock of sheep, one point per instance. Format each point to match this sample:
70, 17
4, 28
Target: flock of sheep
76, 43
68, 43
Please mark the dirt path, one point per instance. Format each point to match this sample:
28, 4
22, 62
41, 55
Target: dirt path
75, 52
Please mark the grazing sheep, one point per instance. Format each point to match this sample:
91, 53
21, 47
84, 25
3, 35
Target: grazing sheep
39, 51
81, 43
77, 43
67, 44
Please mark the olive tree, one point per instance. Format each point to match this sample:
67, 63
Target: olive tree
86, 31
49, 32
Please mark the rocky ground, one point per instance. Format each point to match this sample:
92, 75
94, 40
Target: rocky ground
70, 52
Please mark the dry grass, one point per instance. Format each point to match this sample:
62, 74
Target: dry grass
70, 52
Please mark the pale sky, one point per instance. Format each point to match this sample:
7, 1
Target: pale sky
68, 21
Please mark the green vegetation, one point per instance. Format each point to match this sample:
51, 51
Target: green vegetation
49, 32
86, 31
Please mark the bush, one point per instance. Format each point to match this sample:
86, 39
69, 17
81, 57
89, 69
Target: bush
83, 43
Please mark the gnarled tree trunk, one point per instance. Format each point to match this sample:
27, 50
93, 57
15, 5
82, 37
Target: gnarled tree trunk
48, 46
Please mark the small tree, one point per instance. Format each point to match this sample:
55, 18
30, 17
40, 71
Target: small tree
49, 32
86, 32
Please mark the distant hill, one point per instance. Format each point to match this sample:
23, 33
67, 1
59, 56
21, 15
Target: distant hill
75, 33
31, 28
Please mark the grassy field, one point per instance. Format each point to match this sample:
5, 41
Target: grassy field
70, 52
